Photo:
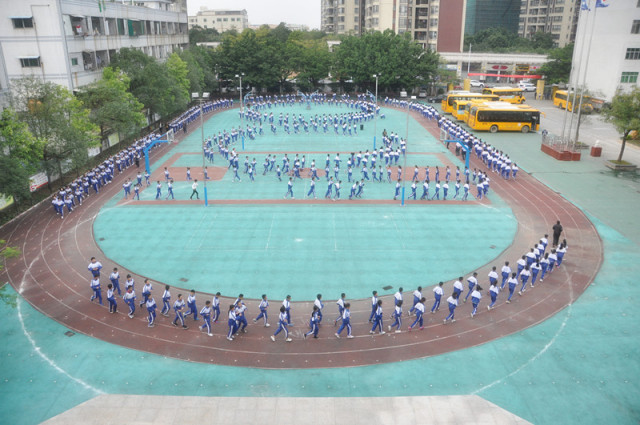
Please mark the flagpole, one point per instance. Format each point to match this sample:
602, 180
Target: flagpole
586, 66
575, 78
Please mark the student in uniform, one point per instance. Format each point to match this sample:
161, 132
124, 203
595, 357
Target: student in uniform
129, 298
374, 305
166, 298
397, 297
493, 293
289, 189
312, 188
233, 324
513, 282
506, 271
524, 277
146, 291
94, 267
318, 303
476, 295
151, 309
346, 321
286, 303
178, 307
158, 190
282, 324
417, 295
493, 275
97, 291
191, 303
437, 293
264, 304
241, 308
397, 315
453, 303
113, 305
473, 282
340, 304
377, 320
535, 269
194, 188
170, 190
457, 287
419, 309
313, 323
215, 305
206, 317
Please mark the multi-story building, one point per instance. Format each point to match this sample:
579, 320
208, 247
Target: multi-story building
421, 18
483, 14
68, 41
557, 17
611, 40
221, 20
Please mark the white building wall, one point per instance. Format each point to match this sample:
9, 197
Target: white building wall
75, 39
612, 36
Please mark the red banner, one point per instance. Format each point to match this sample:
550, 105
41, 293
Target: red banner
481, 74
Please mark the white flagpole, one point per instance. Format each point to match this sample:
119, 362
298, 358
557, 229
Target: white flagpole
584, 76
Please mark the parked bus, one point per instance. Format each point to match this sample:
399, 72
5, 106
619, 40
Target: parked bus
562, 98
461, 107
498, 116
506, 94
447, 103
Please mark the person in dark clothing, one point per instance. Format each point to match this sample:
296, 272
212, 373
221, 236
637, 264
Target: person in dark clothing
557, 231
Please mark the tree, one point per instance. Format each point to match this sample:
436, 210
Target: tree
113, 108
558, 69
624, 114
20, 156
58, 118
151, 83
177, 70
202, 35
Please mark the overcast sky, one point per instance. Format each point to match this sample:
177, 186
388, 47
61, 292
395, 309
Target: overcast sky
301, 12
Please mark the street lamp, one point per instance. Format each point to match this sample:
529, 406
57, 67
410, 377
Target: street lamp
205, 96
375, 112
241, 109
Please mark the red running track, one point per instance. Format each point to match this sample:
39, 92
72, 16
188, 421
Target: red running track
52, 276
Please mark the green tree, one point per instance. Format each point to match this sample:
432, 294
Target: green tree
558, 69
624, 114
58, 118
113, 108
177, 70
202, 35
151, 83
398, 60
20, 156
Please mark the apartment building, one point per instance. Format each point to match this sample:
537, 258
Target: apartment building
436, 24
68, 42
557, 17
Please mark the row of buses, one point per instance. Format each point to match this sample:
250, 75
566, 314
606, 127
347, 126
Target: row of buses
495, 109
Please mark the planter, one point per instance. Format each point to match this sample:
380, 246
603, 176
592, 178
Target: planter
620, 166
560, 155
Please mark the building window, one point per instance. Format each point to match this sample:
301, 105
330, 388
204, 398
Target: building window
74, 61
556, 28
629, 77
22, 22
633, 53
635, 28
35, 62
558, 10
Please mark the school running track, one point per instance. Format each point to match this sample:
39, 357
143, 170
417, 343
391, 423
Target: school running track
52, 276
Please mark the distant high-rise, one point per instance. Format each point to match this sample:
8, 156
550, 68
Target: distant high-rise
483, 14
420, 18
558, 17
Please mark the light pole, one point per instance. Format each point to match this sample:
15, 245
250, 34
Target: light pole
241, 109
406, 148
375, 112
205, 96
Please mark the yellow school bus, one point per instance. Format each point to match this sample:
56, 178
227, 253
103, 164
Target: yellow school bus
506, 94
447, 103
501, 116
564, 100
461, 107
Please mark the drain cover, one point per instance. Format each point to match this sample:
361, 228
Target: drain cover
182, 279
386, 288
69, 333
101, 239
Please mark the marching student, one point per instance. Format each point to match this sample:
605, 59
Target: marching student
115, 280
151, 309
313, 323
289, 189
397, 315
97, 291
233, 324
191, 303
346, 322
129, 298
524, 277
437, 293
513, 282
419, 309
473, 282
397, 297
113, 305
94, 267
374, 305
206, 317
286, 303
453, 303
377, 320
475, 298
493, 293
535, 269
178, 307
417, 295
166, 297
506, 271
264, 303
340, 304
146, 291
283, 317
457, 287
318, 303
